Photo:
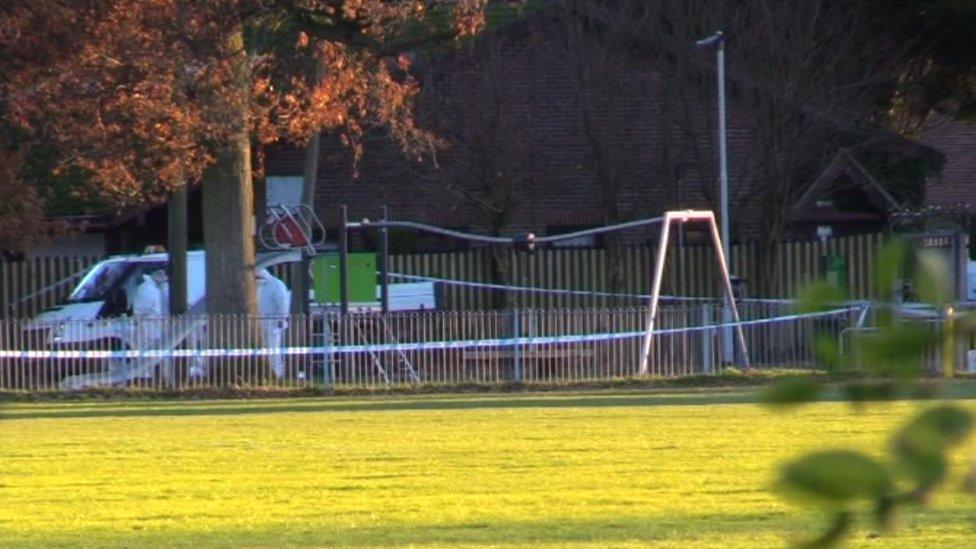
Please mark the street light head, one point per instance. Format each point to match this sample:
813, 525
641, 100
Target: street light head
712, 40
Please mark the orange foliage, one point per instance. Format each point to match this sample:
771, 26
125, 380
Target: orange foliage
22, 221
121, 87
469, 17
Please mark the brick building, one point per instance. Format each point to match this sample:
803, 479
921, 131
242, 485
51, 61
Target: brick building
528, 143
955, 185
550, 136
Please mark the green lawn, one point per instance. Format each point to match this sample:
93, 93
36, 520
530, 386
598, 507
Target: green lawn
686, 468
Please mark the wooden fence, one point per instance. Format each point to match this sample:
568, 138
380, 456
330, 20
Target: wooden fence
689, 271
30, 286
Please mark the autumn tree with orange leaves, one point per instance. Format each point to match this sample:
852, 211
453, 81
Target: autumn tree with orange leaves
146, 95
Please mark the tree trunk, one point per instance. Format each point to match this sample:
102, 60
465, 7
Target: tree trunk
228, 228
176, 246
501, 273
297, 336
228, 203
615, 264
612, 242
303, 280
769, 262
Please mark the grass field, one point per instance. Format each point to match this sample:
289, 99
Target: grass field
682, 468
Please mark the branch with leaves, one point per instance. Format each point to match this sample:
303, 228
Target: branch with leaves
887, 362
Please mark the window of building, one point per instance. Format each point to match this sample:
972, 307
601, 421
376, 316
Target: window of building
284, 189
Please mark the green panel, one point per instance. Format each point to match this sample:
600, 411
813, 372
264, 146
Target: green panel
362, 278
835, 269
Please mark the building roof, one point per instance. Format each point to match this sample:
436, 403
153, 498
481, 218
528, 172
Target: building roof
956, 140
842, 172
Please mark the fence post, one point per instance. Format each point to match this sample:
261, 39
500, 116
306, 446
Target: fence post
344, 260
327, 341
384, 264
517, 352
707, 338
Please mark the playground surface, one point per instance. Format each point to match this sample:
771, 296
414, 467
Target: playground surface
683, 468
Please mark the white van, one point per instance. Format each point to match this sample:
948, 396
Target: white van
109, 287
96, 316
106, 291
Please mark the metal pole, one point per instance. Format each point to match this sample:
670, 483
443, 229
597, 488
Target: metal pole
718, 40
729, 355
343, 259
517, 352
662, 248
707, 336
385, 264
507, 240
948, 343
960, 247
722, 151
302, 283
729, 296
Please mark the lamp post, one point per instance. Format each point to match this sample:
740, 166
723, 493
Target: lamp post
717, 41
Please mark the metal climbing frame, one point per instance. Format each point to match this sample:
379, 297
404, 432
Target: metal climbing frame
363, 330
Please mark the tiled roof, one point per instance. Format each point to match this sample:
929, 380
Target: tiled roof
957, 141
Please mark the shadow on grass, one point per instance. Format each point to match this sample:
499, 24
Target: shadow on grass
952, 526
122, 409
376, 404
316, 531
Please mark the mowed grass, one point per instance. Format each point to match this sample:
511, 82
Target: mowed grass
683, 469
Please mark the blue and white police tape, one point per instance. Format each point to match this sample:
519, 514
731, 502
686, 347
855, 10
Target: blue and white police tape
403, 347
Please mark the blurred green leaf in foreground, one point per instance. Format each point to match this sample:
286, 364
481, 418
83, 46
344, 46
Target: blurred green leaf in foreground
875, 363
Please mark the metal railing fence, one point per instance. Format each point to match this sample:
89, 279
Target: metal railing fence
374, 350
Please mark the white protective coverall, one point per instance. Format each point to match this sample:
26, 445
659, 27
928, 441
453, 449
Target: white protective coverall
150, 306
273, 306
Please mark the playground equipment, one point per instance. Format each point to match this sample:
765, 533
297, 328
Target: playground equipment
529, 241
393, 359
292, 227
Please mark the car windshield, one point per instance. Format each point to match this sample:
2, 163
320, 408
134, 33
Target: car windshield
99, 282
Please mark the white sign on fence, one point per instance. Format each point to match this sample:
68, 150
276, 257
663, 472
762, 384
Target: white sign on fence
971, 360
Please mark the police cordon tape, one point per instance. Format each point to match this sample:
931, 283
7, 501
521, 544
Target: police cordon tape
403, 347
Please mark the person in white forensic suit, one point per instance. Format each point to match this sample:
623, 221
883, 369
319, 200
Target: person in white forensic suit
199, 367
150, 307
273, 307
